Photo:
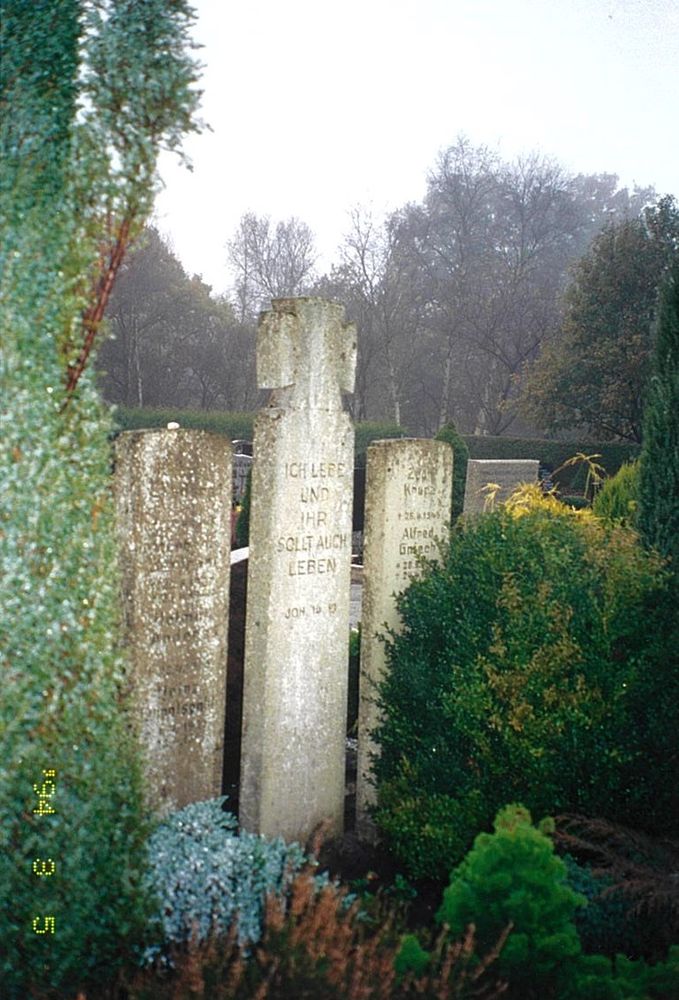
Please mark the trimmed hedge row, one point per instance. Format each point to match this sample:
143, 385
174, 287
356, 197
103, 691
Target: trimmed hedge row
237, 425
550, 453
554, 453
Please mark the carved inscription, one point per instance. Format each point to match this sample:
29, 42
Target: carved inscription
311, 547
421, 527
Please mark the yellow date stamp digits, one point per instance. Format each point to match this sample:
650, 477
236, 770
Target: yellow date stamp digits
45, 867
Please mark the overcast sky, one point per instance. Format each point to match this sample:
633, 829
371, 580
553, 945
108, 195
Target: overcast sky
316, 107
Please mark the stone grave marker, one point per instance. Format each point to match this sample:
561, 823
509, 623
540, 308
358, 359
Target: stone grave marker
507, 473
297, 624
241, 468
173, 504
408, 503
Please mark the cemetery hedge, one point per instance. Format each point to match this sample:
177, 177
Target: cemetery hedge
550, 453
238, 425
534, 664
553, 454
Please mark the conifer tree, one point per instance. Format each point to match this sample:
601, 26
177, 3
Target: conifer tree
659, 461
89, 93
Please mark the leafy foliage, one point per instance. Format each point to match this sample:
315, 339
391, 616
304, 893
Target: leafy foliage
513, 879
529, 665
316, 943
594, 375
618, 499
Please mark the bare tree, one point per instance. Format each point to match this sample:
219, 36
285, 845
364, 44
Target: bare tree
269, 261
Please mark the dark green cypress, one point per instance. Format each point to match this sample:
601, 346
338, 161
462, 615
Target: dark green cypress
659, 462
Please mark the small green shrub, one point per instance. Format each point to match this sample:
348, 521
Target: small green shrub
450, 434
206, 875
618, 499
529, 665
511, 884
512, 877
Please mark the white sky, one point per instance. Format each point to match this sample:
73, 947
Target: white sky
318, 106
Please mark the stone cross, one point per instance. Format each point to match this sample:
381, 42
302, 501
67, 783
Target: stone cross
173, 506
297, 624
408, 501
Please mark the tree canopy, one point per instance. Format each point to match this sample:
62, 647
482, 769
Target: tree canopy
592, 376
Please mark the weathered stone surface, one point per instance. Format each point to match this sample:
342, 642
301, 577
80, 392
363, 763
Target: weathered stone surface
407, 513
507, 473
173, 501
297, 631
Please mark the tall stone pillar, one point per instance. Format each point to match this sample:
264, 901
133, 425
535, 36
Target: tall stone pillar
408, 501
297, 625
173, 503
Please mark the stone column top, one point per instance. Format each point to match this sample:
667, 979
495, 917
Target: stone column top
306, 353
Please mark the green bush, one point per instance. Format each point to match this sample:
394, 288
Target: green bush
460, 457
618, 499
512, 880
207, 877
529, 665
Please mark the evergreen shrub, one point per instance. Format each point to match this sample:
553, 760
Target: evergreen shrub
235, 426
450, 434
659, 462
206, 876
529, 665
513, 879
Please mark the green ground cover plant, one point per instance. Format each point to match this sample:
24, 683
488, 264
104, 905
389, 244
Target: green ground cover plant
529, 665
